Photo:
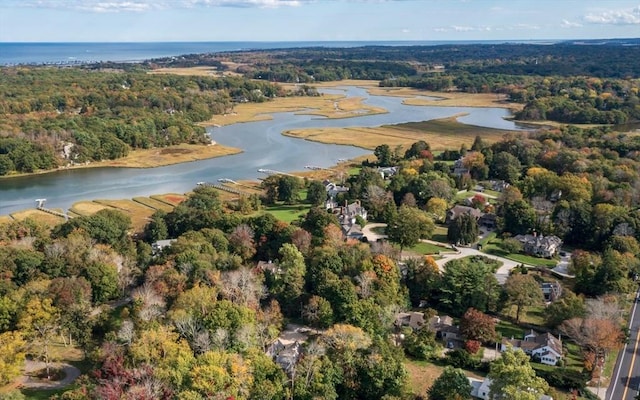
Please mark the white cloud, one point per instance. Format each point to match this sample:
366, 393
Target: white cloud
146, 5
568, 24
629, 16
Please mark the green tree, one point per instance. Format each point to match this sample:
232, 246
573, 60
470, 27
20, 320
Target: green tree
421, 344
511, 245
290, 284
316, 193
468, 283
463, 230
522, 291
289, 189
409, 226
452, 384
567, 307
518, 217
512, 373
384, 155
506, 167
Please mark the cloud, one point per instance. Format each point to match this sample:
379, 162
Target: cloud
568, 24
102, 6
462, 28
628, 16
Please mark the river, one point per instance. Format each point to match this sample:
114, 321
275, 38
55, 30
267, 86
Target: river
263, 144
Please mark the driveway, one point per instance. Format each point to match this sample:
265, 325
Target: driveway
71, 373
368, 232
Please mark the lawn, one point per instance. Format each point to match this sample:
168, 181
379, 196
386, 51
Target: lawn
422, 374
508, 330
491, 245
288, 213
440, 234
427, 248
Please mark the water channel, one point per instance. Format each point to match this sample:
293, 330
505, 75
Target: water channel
263, 147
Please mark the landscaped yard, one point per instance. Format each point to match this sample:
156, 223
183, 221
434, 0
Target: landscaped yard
440, 234
491, 245
428, 248
288, 213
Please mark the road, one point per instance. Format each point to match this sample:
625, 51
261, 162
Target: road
626, 374
501, 274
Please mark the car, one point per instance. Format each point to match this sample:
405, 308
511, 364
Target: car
450, 345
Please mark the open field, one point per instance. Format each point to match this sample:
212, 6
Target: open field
422, 374
138, 213
155, 204
173, 199
196, 71
87, 207
288, 213
441, 134
38, 215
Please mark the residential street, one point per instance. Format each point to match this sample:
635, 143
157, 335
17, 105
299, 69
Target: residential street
626, 373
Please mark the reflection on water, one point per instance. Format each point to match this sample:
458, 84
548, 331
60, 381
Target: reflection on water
263, 144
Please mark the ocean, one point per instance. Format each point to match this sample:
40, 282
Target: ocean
81, 52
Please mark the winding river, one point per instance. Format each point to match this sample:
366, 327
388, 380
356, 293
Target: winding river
263, 144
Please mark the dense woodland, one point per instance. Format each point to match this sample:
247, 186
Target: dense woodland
195, 320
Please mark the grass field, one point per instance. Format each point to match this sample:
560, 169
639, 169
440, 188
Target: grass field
422, 374
441, 134
40, 216
288, 213
428, 248
491, 245
155, 204
440, 234
173, 199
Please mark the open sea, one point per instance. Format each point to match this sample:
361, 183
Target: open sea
85, 52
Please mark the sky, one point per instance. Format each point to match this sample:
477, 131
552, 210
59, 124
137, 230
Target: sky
315, 20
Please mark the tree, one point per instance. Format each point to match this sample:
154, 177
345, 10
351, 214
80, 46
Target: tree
569, 306
290, 285
384, 155
518, 217
513, 378
318, 312
511, 245
289, 189
463, 230
40, 321
316, 193
506, 167
452, 384
437, 208
421, 344
409, 226
476, 325
241, 242
422, 279
12, 356
522, 291
468, 283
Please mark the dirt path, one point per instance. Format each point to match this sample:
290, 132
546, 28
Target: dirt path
71, 374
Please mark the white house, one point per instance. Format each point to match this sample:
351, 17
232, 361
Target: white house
480, 389
546, 347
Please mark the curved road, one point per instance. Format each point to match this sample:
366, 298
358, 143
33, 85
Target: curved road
71, 373
501, 274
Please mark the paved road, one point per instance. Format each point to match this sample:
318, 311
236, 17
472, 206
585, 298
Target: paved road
501, 274
71, 374
626, 374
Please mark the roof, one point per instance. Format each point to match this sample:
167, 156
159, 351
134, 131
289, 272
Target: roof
458, 210
534, 341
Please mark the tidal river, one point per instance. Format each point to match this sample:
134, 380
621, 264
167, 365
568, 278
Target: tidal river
262, 142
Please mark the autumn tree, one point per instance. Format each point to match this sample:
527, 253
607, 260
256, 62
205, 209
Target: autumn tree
522, 291
241, 241
40, 321
437, 208
12, 356
318, 312
476, 325
422, 278
452, 384
511, 373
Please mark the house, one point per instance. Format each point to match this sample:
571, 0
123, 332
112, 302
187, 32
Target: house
333, 189
270, 266
539, 245
286, 354
352, 231
158, 246
488, 220
458, 210
412, 319
480, 389
444, 328
551, 290
459, 168
387, 172
545, 347
348, 213
499, 186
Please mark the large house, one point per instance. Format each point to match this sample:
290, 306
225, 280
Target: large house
539, 245
545, 347
480, 389
444, 328
412, 319
459, 210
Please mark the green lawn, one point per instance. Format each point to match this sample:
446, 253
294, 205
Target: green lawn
428, 248
354, 171
288, 213
491, 245
440, 234
509, 330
